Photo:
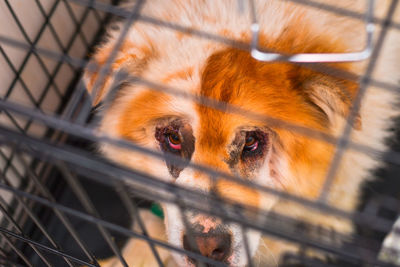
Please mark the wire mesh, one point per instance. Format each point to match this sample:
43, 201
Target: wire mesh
53, 184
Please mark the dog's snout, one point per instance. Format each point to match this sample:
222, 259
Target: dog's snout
216, 245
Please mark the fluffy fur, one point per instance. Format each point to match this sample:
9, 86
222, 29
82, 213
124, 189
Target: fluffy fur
290, 161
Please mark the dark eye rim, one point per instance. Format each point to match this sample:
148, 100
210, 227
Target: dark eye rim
183, 129
162, 136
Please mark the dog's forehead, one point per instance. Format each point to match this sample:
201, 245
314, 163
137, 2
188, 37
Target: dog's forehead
204, 91
227, 85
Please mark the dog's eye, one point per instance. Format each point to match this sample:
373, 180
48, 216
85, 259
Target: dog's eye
251, 143
174, 141
255, 144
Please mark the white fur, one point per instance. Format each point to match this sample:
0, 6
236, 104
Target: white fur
174, 54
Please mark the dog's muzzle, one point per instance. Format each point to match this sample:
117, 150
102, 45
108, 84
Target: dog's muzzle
214, 243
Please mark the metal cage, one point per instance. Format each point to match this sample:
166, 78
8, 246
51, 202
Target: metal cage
52, 182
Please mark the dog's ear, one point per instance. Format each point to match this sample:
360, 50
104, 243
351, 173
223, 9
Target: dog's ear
333, 95
128, 57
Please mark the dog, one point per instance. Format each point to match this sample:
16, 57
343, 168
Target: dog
264, 152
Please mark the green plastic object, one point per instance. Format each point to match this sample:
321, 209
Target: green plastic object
157, 210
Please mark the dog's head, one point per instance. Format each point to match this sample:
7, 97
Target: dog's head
202, 121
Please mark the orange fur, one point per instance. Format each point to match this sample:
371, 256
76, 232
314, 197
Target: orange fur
143, 110
232, 76
123, 59
292, 93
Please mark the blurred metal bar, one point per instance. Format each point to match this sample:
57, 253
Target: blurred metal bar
246, 247
86, 161
18, 228
320, 67
135, 216
343, 11
276, 229
33, 216
95, 136
243, 230
344, 139
188, 230
25, 61
8, 262
16, 250
230, 42
17, 75
106, 67
185, 199
109, 225
78, 25
2, 252
44, 191
5, 232
122, 12
313, 57
84, 199
32, 43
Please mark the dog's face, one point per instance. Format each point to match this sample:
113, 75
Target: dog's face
253, 148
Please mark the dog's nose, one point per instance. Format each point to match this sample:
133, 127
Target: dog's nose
216, 246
